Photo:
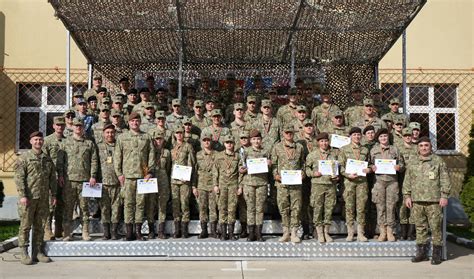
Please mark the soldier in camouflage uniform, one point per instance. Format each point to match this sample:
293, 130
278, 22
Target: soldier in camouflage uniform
117, 120
81, 165
323, 187
134, 159
175, 116
379, 106
96, 85
416, 129
301, 116
162, 170
426, 191
368, 117
161, 100
198, 120
188, 106
210, 105
371, 216
104, 119
355, 112
92, 107
217, 130
182, 154
226, 184
189, 136
268, 125
394, 113
148, 119
160, 119
204, 192
53, 147
251, 114
131, 102
145, 98
35, 179
239, 124
337, 126
355, 187
254, 186
385, 191
286, 114
229, 111
69, 116
323, 114
110, 202
244, 142
288, 155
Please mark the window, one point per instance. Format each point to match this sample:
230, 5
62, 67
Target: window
435, 107
37, 105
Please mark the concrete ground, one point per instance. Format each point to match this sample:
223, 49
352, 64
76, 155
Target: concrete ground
459, 265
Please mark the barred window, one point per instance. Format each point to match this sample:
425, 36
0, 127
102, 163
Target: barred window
38, 104
435, 107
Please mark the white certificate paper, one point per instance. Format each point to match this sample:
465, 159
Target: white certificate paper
356, 166
89, 191
146, 186
257, 165
339, 141
181, 172
328, 167
291, 177
385, 166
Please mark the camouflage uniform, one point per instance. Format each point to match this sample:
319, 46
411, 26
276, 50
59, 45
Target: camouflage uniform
111, 201
173, 119
236, 129
408, 154
270, 130
217, 135
226, 170
250, 117
205, 182
353, 114
199, 125
365, 121
167, 134
286, 114
322, 115
97, 130
147, 124
395, 115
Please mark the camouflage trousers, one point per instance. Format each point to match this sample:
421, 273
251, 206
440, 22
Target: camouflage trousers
355, 198
228, 203
289, 198
207, 205
56, 211
323, 200
385, 197
242, 209
428, 215
307, 205
255, 199
405, 214
180, 194
110, 204
35, 214
158, 201
133, 203
72, 196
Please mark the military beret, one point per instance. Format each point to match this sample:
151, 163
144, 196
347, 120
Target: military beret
266, 103
307, 122
69, 111
255, 134
289, 128
149, 105
59, 120
292, 91
133, 91
322, 135
228, 138
176, 102
300, 108
376, 91
206, 136
244, 134
144, 90
407, 131
78, 94
198, 103
115, 112
394, 101
387, 118
238, 106
216, 112
179, 129
91, 98
108, 126
134, 115
104, 107
368, 102
230, 76
98, 78
117, 100
123, 79
158, 134
415, 125
337, 112
251, 98
150, 78
102, 89
355, 130
81, 101
380, 132
368, 128
160, 114
36, 134
77, 122
424, 139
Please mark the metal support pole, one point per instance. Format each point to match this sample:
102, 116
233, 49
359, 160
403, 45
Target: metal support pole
404, 70
68, 68
89, 76
180, 72
292, 72
376, 75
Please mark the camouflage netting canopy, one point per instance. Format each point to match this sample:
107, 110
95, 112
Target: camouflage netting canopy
345, 39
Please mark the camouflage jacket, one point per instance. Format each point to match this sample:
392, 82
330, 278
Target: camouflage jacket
183, 154
217, 135
254, 179
312, 165
397, 139
236, 129
287, 156
168, 136
162, 166
198, 125
35, 176
309, 144
365, 121
204, 169
286, 114
172, 120
355, 152
322, 116
298, 126
97, 130
270, 130
427, 179
82, 162
353, 114
147, 124
134, 155
226, 169
341, 131
391, 152
394, 115
106, 155
54, 148
408, 153
250, 117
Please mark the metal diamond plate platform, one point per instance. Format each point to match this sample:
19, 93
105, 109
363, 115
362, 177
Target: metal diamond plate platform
195, 249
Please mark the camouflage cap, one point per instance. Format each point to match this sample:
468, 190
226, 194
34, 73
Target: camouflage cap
415, 125
160, 114
176, 102
266, 103
186, 120
407, 131
355, 130
179, 129
91, 98
149, 105
69, 111
337, 112
216, 112
81, 101
158, 134
244, 134
238, 106
398, 120
322, 135
251, 98
106, 100
210, 99
78, 94
228, 138
198, 103
289, 128
394, 101
206, 136
301, 108
307, 122
387, 118
368, 102
108, 126
97, 78
104, 107
36, 134
117, 100
115, 112
77, 122
59, 120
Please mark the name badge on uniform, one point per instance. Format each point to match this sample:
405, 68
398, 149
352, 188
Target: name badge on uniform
109, 159
431, 175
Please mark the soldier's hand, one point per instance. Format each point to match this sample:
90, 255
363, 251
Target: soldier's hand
317, 174
374, 168
92, 181
409, 203
195, 192
369, 170
353, 175
239, 191
216, 189
54, 201
443, 202
397, 167
61, 181
278, 178
24, 201
269, 162
148, 176
243, 170
121, 179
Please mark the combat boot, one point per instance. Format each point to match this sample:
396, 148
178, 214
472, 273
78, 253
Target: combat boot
305, 231
161, 230
411, 232
436, 256
129, 228
390, 236
251, 236
39, 255
203, 233
320, 234
350, 233
361, 234
213, 230
106, 227
326, 233
113, 232
243, 230
258, 233
403, 231
58, 229
184, 229
138, 231
421, 254
67, 232
286, 235
294, 235
85, 232
231, 227
383, 233
223, 231
151, 230
25, 258
48, 233
177, 228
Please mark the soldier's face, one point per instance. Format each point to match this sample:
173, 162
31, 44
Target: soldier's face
125, 85
256, 142
190, 102
415, 133
210, 106
206, 143
59, 129
407, 138
36, 143
369, 110
82, 107
357, 96
288, 135
238, 113
150, 111
116, 119
117, 106
177, 109
326, 98
78, 129
205, 85
93, 104
229, 145
160, 94
383, 139
97, 83
370, 135
187, 127
251, 106
134, 124
198, 110
161, 121
355, 137
308, 129
292, 98
159, 142
216, 119
394, 107
179, 136
109, 135
398, 127
301, 115
424, 148
69, 118
337, 120
244, 141
132, 98
266, 110
323, 144
377, 97
150, 83
145, 96
105, 114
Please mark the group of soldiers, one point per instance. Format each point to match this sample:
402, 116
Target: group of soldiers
117, 140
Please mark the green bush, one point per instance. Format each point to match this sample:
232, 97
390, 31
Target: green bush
467, 194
